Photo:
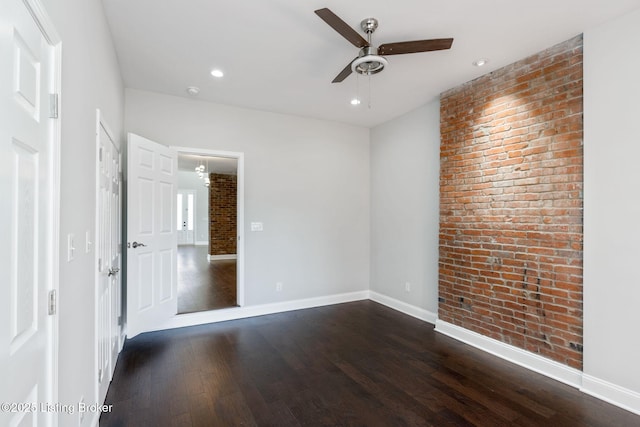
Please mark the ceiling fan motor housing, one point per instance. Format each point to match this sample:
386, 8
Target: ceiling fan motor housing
369, 25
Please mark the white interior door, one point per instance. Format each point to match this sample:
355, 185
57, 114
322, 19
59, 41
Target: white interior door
151, 229
108, 257
28, 219
185, 209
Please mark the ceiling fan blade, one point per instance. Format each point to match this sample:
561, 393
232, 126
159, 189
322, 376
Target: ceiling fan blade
341, 27
346, 72
414, 46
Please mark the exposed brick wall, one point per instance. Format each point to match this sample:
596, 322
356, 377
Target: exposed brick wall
222, 214
511, 184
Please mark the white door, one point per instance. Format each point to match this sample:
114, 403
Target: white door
28, 218
185, 208
151, 230
108, 257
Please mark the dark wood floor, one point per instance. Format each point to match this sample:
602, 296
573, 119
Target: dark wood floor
204, 285
355, 364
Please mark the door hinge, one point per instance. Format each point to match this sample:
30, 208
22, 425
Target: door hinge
99, 264
53, 106
100, 154
53, 303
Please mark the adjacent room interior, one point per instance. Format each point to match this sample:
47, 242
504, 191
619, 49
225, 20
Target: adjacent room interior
206, 224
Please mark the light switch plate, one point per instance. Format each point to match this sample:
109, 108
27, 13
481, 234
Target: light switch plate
256, 226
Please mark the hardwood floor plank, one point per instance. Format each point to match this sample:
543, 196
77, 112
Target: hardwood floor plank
355, 364
204, 285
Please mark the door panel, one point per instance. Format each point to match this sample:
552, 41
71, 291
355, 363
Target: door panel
108, 254
151, 277
28, 153
166, 273
145, 280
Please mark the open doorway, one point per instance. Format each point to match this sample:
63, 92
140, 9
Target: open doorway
207, 232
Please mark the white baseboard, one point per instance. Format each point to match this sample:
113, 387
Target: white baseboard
612, 393
192, 319
201, 243
220, 257
404, 307
526, 359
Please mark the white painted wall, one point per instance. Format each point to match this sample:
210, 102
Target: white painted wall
90, 80
188, 180
612, 203
405, 168
306, 180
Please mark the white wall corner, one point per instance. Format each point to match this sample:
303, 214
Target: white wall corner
612, 393
404, 307
526, 359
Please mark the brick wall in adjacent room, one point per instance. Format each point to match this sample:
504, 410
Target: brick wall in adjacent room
511, 202
222, 214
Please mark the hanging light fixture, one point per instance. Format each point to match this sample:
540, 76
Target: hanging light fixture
200, 170
207, 180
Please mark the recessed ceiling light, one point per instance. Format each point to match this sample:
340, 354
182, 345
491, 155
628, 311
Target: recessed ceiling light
355, 101
193, 90
480, 62
217, 73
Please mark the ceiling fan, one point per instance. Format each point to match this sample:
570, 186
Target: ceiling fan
370, 60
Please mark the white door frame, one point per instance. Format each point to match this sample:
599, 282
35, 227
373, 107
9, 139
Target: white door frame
239, 157
45, 23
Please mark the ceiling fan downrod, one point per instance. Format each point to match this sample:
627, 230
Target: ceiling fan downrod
368, 61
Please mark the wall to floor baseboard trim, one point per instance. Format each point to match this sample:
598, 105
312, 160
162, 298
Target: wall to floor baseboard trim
192, 319
526, 359
404, 307
220, 257
612, 393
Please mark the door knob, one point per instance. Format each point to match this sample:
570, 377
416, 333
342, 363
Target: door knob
136, 244
113, 271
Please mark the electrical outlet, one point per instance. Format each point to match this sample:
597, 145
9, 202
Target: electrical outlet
279, 287
407, 287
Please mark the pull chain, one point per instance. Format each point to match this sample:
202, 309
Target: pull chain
369, 101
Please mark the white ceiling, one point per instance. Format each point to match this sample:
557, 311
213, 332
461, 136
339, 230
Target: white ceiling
221, 165
278, 55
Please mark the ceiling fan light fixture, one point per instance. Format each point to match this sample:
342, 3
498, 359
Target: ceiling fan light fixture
369, 64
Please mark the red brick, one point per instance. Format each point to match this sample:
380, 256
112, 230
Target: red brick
511, 186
